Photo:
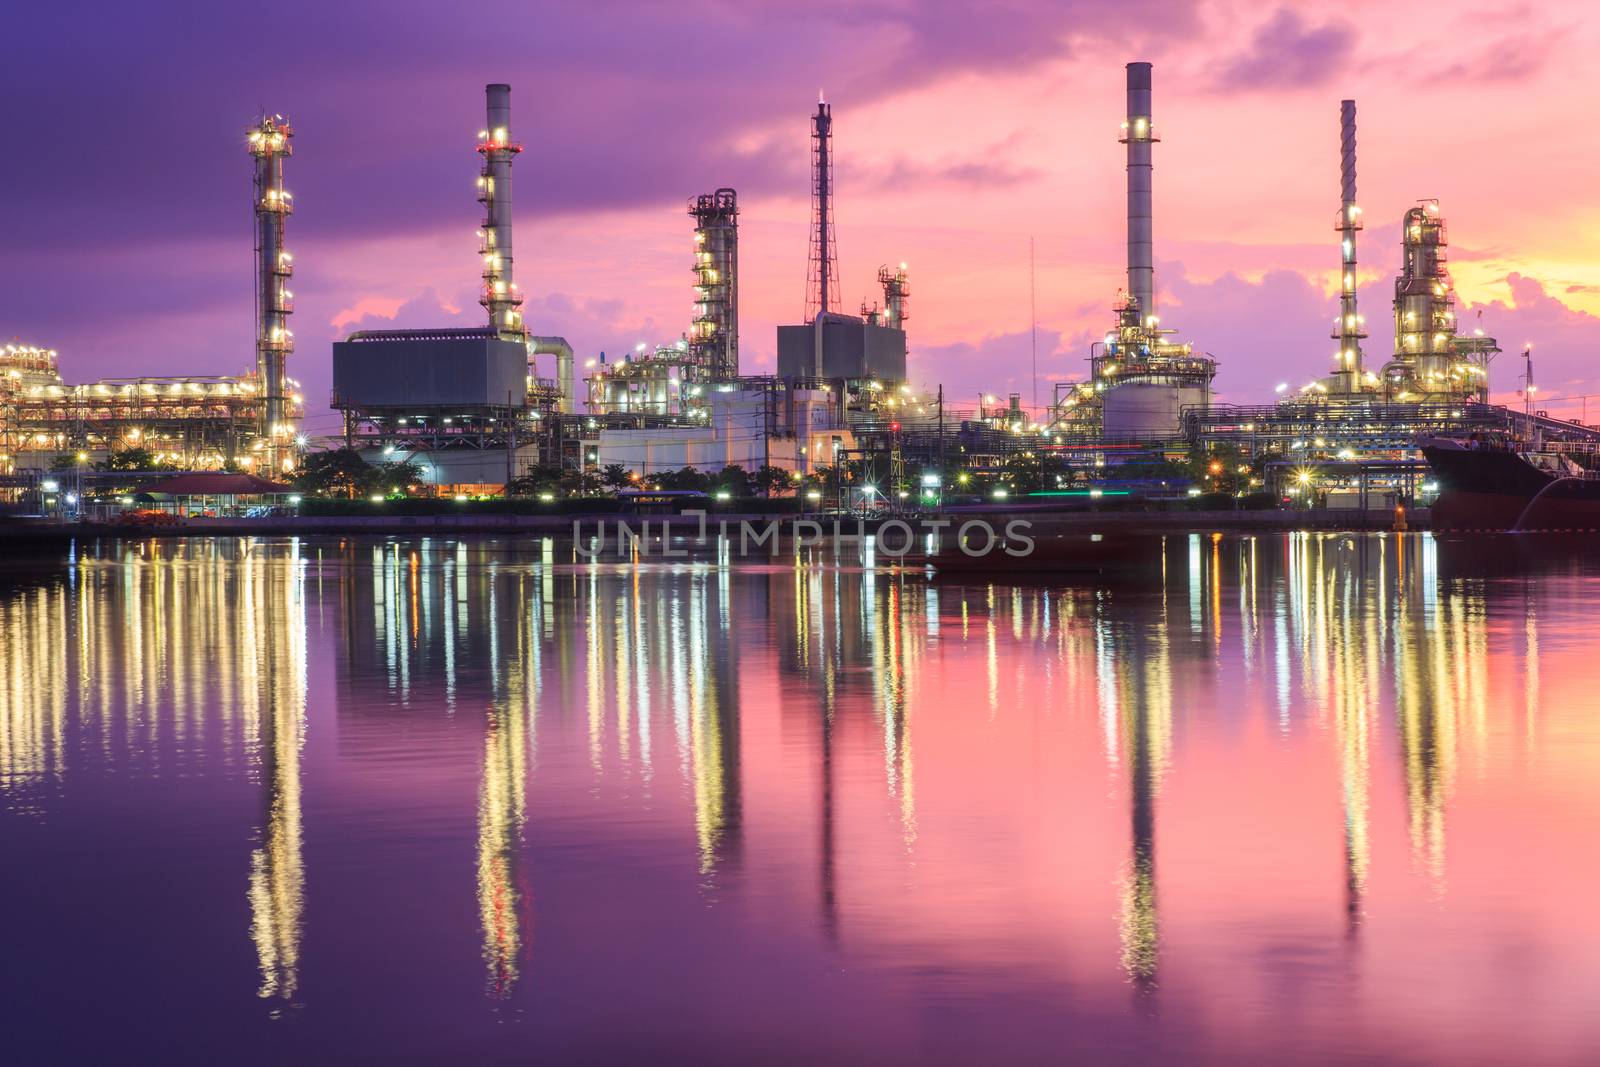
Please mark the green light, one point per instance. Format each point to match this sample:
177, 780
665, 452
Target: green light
1084, 492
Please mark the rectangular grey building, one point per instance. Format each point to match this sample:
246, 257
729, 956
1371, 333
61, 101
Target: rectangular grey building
852, 349
469, 369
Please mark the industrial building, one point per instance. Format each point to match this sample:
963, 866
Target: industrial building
186, 422
749, 423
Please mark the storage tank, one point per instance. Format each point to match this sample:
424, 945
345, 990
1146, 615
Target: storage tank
1145, 409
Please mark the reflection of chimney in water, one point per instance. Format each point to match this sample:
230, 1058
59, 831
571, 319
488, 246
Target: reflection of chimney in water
277, 867
503, 900
1140, 665
1141, 935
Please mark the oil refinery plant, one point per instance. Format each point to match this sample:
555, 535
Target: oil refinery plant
476, 407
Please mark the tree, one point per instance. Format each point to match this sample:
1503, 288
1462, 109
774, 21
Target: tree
1023, 473
535, 480
732, 480
134, 459
1221, 469
338, 472
615, 476
772, 480
686, 478
580, 483
396, 476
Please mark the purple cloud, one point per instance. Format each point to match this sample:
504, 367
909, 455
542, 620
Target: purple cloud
1286, 53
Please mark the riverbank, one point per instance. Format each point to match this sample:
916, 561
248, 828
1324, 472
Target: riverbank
15, 531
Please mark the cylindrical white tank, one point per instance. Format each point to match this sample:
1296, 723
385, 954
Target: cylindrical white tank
1144, 410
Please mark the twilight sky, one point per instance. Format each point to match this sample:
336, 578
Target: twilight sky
962, 130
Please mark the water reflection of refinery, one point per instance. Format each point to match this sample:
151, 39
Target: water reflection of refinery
684, 681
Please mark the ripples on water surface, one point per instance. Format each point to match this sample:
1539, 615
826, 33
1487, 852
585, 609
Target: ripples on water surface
1309, 798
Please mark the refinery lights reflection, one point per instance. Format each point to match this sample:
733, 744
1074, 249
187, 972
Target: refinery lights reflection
673, 683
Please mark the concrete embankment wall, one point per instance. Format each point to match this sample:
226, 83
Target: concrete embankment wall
19, 531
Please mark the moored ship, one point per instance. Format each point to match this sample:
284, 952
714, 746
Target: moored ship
1491, 485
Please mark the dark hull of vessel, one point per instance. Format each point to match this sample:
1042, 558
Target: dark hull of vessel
1491, 489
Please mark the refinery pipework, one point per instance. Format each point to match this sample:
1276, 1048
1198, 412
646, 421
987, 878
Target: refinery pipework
270, 143
500, 296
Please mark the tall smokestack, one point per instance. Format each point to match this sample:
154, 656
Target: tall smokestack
500, 296
269, 142
1139, 135
1348, 331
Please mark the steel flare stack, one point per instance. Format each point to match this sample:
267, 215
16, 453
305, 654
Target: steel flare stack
270, 142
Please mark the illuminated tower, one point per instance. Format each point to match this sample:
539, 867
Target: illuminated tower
1139, 134
270, 143
1348, 331
895, 291
823, 268
1431, 362
500, 296
714, 334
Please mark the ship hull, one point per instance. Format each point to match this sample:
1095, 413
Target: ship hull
1491, 489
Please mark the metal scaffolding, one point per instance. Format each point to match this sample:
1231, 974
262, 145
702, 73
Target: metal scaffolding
714, 333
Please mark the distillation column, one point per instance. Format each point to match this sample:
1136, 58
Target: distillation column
500, 296
269, 142
1347, 372
714, 334
1139, 135
896, 288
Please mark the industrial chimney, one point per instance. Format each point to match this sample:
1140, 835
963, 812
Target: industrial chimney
1348, 331
1139, 135
500, 296
269, 144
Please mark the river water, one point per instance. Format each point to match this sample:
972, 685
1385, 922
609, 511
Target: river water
1300, 798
